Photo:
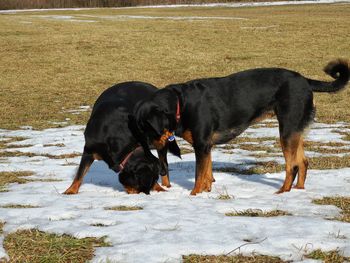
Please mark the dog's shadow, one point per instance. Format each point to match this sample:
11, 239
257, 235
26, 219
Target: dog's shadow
99, 174
182, 173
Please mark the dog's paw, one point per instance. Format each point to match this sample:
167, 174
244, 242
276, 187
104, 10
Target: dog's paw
70, 191
298, 187
158, 188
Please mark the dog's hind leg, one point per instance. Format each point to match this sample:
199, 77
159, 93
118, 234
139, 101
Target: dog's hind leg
290, 152
302, 164
296, 162
294, 110
85, 163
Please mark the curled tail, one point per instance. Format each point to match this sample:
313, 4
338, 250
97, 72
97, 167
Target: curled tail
339, 70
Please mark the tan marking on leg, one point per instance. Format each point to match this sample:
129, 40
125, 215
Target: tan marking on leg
204, 177
166, 181
74, 188
303, 165
187, 136
290, 152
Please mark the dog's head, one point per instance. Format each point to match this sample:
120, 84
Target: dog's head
154, 122
140, 174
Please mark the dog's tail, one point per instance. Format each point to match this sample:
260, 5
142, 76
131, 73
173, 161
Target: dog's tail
339, 70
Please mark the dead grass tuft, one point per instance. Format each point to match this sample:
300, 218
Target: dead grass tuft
14, 177
20, 178
99, 225
186, 150
346, 135
6, 154
18, 206
326, 148
258, 168
55, 145
4, 143
124, 208
36, 246
1, 227
224, 197
258, 213
333, 256
329, 162
341, 202
231, 259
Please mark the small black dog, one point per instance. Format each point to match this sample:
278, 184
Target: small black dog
216, 110
108, 138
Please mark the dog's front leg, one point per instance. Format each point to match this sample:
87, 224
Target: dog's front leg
162, 154
204, 177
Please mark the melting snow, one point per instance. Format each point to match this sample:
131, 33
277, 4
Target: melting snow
172, 224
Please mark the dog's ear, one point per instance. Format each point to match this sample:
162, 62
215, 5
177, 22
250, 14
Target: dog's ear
174, 148
135, 131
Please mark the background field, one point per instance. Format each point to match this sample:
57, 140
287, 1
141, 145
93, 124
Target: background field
51, 63
22, 4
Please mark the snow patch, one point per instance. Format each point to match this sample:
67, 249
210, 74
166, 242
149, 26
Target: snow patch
174, 223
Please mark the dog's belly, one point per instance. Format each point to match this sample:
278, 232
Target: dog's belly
221, 137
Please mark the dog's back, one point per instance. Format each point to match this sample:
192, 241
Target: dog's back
108, 123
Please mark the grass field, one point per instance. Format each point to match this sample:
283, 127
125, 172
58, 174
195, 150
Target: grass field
49, 65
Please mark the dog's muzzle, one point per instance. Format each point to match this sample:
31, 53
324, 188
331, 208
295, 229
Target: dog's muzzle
167, 136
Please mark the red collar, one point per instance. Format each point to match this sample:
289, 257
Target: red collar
126, 159
178, 115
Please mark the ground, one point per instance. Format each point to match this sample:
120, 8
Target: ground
54, 65
162, 227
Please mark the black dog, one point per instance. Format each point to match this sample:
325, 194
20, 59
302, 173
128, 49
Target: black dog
108, 138
216, 110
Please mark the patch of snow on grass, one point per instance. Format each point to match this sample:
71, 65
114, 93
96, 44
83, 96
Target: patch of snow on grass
174, 223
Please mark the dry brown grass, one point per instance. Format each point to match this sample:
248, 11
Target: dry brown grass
231, 259
346, 135
36, 246
50, 64
258, 213
5, 143
341, 202
20, 178
1, 227
326, 148
21, 4
224, 197
18, 206
329, 162
257, 168
14, 177
333, 256
124, 208
29, 154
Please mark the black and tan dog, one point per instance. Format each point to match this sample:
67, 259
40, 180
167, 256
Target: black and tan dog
216, 110
108, 138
